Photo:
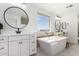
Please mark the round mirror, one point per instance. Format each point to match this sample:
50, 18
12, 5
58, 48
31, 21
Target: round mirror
16, 17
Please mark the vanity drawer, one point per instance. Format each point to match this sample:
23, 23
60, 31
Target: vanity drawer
22, 37
33, 42
33, 49
4, 48
32, 37
3, 39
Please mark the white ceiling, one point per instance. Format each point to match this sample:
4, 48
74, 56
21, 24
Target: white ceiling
58, 8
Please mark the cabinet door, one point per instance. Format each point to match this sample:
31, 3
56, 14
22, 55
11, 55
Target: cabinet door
24, 47
4, 48
14, 48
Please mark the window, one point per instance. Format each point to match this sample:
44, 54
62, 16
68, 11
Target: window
42, 22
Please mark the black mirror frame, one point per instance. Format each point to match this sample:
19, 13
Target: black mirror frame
17, 8
18, 32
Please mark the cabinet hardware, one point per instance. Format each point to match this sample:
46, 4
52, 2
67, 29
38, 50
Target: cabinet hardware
33, 42
32, 36
1, 39
20, 42
1, 48
33, 49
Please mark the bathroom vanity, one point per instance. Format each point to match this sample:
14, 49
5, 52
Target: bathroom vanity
17, 45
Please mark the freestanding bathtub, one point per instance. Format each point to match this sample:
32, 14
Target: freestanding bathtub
52, 45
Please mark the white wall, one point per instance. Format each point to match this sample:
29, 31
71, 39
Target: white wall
72, 19
32, 13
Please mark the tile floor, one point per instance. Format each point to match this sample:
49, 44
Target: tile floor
71, 51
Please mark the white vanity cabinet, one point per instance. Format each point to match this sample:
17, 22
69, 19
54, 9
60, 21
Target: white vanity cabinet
19, 45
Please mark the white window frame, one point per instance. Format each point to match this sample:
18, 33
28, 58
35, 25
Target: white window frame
47, 16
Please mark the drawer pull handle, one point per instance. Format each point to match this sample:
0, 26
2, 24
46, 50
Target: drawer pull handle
20, 42
32, 36
1, 39
33, 50
1, 48
33, 42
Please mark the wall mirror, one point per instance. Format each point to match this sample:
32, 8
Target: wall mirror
16, 17
64, 25
58, 25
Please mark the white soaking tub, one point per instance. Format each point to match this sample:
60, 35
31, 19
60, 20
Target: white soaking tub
52, 45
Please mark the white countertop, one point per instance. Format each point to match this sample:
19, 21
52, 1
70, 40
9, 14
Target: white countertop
16, 34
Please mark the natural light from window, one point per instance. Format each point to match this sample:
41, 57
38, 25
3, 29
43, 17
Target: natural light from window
42, 22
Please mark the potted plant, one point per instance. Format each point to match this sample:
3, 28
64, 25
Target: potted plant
1, 27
